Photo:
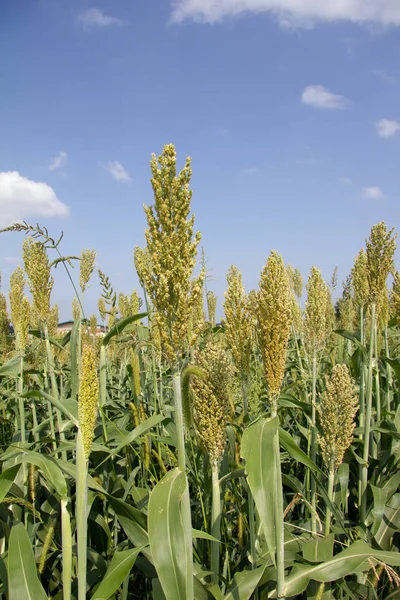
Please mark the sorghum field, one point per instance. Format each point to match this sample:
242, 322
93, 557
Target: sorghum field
171, 456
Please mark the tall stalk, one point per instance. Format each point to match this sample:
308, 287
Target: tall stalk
279, 524
368, 418
331, 480
215, 521
81, 514
66, 541
314, 441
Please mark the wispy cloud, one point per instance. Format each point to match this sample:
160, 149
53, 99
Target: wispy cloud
384, 76
250, 170
387, 128
93, 18
290, 12
117, 171
21, 198
319, 97
11, 260
59, 161
345, 180
373, 193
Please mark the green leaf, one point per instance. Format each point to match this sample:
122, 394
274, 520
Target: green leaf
12, 367
390, 522
23, 580
120, 567
170, 540
319, 549
120, 326
138, 431
347, 562
257, 450
288, 443
49, 470
133, 522
68, 407
244, 583
7, 479
196, 533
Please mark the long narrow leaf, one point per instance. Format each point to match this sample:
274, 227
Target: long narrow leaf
170, 542
23, 580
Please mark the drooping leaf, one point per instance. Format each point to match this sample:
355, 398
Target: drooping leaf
347, 562
23, 580
257, 450
7, 479
244, 583
120, 567
170, 540
119, 327
138, 431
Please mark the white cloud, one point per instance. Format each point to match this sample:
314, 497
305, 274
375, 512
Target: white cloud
345, 180
319, 97
373, 193
59, 161
21, 198
117, 171
11, 260
387, 128
291, 12
250, 170
384, 76
94, 17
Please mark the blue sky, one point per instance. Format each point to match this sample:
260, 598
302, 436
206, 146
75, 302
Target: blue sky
291, 117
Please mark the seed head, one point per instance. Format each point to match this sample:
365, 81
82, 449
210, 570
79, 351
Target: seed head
211, 307
337, 410
93, 325
19, 305
381, 247
210, 398
359, 276
4, 322
395, 297
76, 309
52, 320
315, 326
238, 321
87, 264
37, 268
124, 306
88, 397
135, 302
273, 315
102, 308
166, 267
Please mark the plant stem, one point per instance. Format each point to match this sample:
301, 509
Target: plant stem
66, 542
215, 521
361, 413
389, 377
279, 524
331, 480
314, 441
176, 384
368, 416
81, 516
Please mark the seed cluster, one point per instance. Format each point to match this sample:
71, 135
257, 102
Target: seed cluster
88, 397
210, 397
238, 321
166, 267
273, 316
337, 410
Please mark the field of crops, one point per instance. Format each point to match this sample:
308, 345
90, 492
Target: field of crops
172, 455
